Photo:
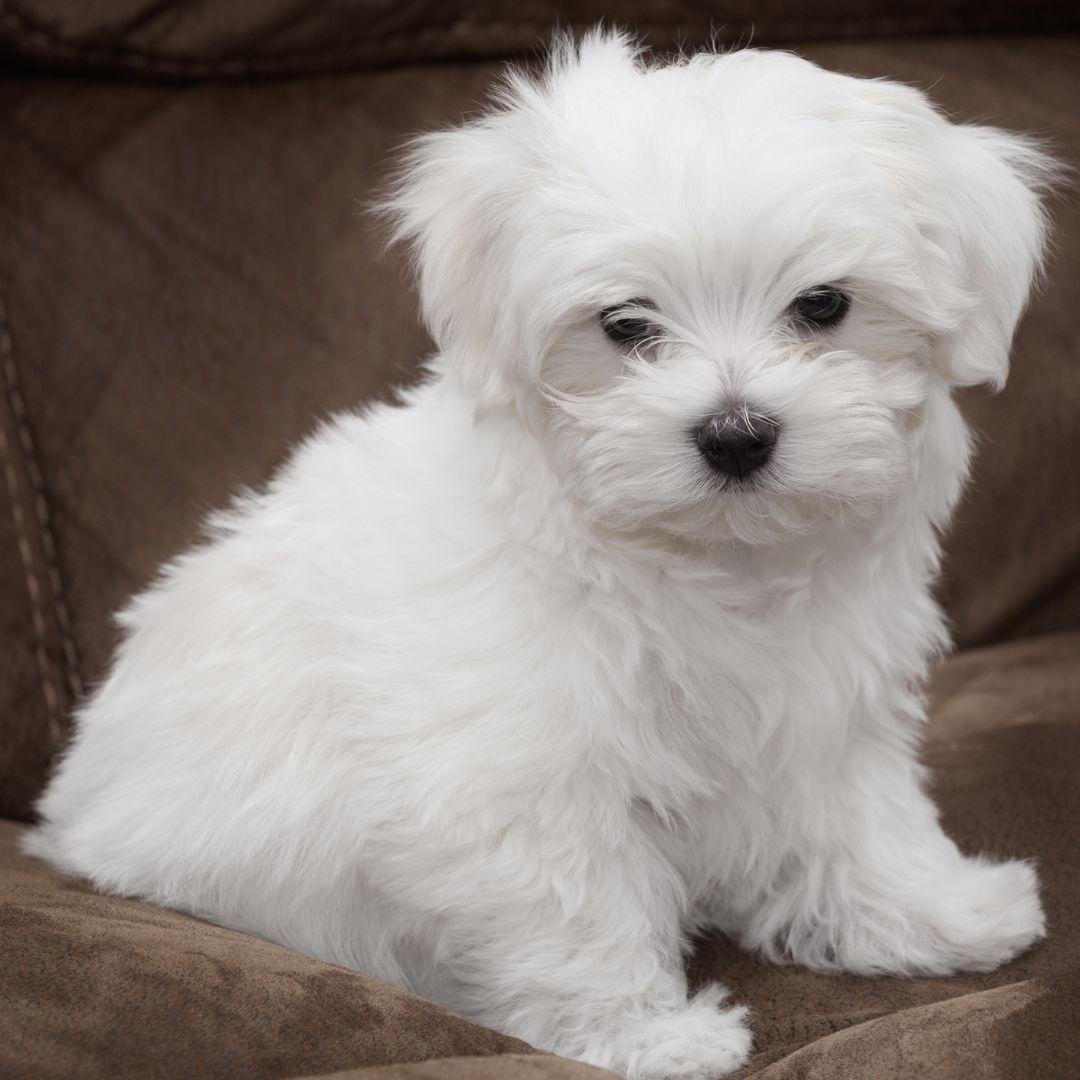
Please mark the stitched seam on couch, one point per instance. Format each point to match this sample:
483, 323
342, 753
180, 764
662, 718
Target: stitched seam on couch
32, 35
50, 684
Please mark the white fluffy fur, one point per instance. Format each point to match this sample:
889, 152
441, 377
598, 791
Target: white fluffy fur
499, 693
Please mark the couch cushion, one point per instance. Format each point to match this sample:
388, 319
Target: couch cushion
93, 985
186, 285
234, 38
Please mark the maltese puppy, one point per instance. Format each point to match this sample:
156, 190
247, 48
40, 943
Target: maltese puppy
615, 628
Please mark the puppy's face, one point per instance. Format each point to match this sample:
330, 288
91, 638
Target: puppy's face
730, 288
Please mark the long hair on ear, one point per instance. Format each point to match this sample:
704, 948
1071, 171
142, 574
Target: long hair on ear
976, 195
463, 198
997, 185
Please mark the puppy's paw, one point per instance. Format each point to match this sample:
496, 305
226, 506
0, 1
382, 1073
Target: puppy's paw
984, 916
699, 1042
975, 917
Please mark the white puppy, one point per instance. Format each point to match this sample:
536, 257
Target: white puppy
616, 627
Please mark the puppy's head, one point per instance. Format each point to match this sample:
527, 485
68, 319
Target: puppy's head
732, 292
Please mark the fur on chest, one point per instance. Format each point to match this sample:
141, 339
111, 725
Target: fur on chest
707, 675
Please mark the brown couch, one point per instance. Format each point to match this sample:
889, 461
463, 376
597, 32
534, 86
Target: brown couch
186, 285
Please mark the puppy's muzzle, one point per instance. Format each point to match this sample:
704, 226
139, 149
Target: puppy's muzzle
737, 442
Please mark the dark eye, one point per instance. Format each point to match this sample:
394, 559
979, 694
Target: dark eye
625, 329
824, 305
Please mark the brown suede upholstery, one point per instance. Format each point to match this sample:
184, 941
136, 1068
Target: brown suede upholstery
239, 39
187, 284
95, 985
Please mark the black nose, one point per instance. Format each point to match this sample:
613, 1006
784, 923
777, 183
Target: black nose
737, 442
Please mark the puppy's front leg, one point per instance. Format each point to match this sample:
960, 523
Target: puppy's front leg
574, 945
872, 883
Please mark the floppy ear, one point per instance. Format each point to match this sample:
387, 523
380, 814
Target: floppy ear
466, 202
451, 200
995, 237
975, 194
